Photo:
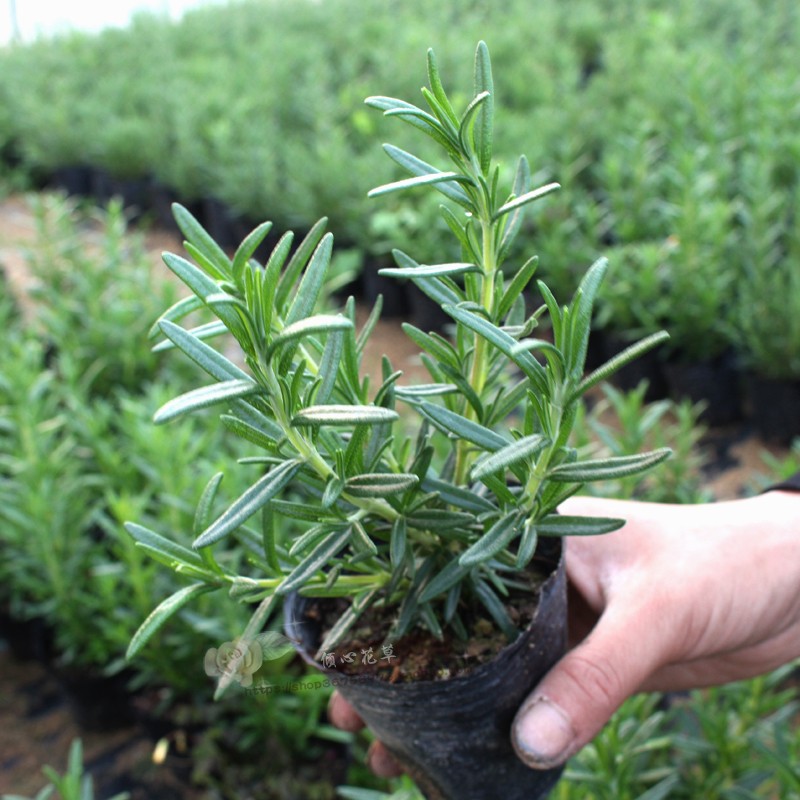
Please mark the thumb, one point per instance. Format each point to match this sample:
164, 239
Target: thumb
581, 692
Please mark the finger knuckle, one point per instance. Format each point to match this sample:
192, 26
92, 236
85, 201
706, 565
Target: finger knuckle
598, 679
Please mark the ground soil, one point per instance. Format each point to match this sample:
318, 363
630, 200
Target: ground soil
37, 725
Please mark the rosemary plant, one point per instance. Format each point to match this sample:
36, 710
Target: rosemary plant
420, 526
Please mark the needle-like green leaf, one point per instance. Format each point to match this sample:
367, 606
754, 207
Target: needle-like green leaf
344, 415
428, 271
198, 236
202, 515
379, 484
321, 323
207, 331
562, 525
257, 496
620, 360
485, 121
417, 180
162, 613
177, 311
517, 285
461, 427
439, 519
453, 573
504, 343
500, 535
313, 280
291, 275
508, 456
608, 468
414, 394
204, 397
418, 167
158, 543
325, 550
528, 197
465, 499
246, 249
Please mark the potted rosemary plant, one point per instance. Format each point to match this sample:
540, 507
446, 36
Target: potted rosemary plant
767, 330
413, 530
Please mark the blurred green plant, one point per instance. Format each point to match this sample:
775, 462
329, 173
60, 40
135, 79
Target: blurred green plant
638, 302
78, 455
649, 115
766, 330
703, 269
622, 423
778, 468
78, 450
92, 322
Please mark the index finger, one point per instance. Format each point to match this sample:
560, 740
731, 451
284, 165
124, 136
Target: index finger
343, 715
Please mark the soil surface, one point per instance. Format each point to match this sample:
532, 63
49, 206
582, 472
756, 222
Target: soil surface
37, 725
419, 655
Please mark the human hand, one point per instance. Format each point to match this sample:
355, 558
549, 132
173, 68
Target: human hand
681, 597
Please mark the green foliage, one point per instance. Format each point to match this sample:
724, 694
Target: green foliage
673, 131
766, 317
92, 322
405, 791
79, 453
638, 302
728, 742
399, 522
778, 468
621, 424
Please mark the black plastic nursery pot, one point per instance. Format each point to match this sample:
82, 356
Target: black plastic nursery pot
396, 304
774, 408
134, 194
716, 382
454, 736
75, 180
99, 703
224, 225
29, 639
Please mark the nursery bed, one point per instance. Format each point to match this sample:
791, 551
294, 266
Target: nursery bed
37, 726
36, 722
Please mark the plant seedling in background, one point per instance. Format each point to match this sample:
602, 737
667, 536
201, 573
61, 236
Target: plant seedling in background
347, 503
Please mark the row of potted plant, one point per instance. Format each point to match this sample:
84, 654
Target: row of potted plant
730, 302
78, 457
688, 184
76, 453
189, 103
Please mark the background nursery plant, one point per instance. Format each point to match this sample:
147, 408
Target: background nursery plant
419, 505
